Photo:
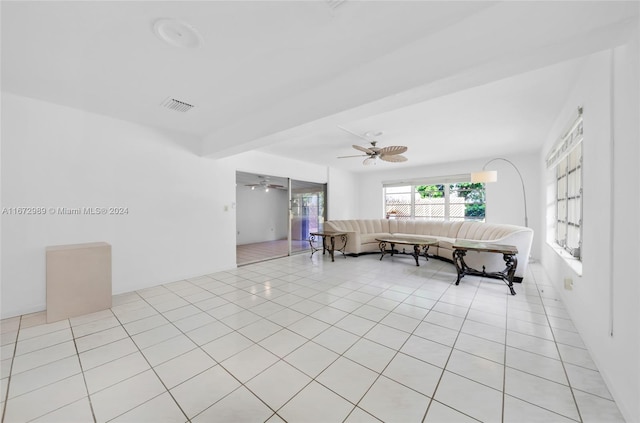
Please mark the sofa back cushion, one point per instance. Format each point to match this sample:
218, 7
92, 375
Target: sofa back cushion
485, 231
425, 227
451, 229
362, 226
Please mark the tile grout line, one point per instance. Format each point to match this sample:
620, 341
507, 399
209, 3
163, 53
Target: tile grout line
13, 357
73, 338
110, 361
51, 383
242, 384
48, 384
566, 374
151, 368
380, 374
444, 367
544, 378
360, 337
77, 354
255, 279
84, 378
265, 317
216, 361
311, 340
175, 292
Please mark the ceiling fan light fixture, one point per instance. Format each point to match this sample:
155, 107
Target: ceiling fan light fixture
388, 154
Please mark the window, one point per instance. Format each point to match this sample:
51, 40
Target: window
435, 201
569, 201
566, 160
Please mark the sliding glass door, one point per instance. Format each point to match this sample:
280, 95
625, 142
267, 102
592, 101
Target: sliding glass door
308, 212
274, 216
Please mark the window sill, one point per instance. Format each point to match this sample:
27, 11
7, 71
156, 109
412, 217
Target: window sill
572, 262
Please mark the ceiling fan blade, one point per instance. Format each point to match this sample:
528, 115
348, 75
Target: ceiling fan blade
353, 133
363, 149
346, 157
395, 158
392, 149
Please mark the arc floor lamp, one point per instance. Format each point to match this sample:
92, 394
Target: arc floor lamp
492, 176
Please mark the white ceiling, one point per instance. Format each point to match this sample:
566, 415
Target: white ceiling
450, 80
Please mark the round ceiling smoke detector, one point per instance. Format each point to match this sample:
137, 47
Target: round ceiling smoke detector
177, 33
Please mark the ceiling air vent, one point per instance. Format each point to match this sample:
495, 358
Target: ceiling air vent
177, 105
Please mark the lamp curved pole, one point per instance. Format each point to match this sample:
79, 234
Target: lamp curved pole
524, 195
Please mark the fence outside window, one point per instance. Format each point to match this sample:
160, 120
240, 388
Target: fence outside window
447, 201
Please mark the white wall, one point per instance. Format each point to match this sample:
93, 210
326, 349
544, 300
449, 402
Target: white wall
261, 216
181, 206
342, 193
54, 156
505, 202
610, 236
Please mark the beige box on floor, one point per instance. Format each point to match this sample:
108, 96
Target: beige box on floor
78, 280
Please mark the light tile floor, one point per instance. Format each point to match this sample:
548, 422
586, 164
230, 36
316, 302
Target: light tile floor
260, 251
302, 339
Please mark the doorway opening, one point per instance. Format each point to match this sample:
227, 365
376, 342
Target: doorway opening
274, 216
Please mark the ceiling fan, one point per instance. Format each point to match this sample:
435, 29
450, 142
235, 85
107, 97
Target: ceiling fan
392, 153
264, 184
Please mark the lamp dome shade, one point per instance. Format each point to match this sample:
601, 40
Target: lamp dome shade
485, 176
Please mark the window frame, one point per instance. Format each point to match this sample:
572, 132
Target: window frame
566, 161
567, 223
412, 191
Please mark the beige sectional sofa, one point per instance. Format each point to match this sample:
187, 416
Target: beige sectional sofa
362, 234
